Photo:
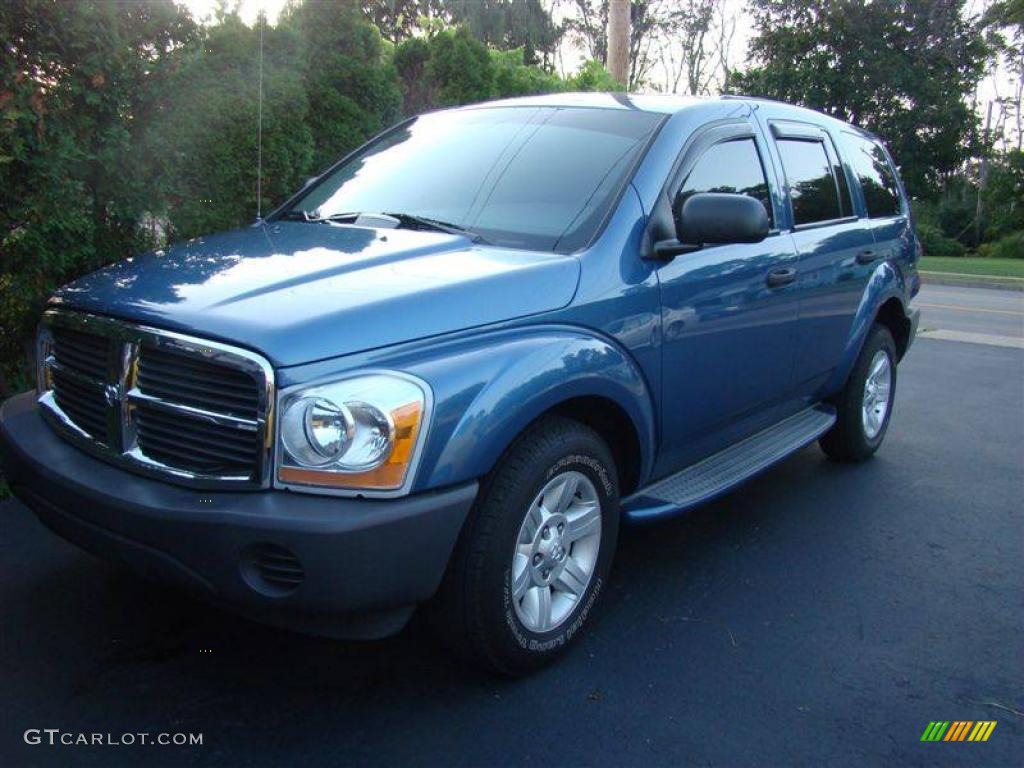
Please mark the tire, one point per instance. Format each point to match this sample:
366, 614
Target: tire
483, 608
854, 436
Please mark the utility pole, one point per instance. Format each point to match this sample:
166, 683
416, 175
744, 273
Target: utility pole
618, 40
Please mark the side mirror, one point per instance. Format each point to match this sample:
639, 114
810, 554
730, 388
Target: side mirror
309, 181
715, 218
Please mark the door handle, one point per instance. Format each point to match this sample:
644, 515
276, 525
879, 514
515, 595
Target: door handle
866, 257
779, 277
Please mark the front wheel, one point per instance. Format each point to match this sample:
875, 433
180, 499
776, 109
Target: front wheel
536, 553
864, 406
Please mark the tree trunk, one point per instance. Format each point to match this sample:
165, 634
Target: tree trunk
618, 40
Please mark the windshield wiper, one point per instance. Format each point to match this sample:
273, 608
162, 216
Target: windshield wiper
404, 219
296, 215
440, 226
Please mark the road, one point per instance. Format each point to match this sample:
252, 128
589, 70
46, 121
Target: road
972, 310
821, 614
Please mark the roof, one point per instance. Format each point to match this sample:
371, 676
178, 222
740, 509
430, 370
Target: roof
664, 103
669, 104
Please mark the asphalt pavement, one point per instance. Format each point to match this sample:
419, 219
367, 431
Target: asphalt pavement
821, 614
972, 310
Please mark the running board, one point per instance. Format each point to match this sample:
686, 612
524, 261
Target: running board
722, 471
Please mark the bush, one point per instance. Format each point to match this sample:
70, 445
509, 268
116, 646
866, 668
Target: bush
205, 169
1009, 247
419, 92
1004, 195
514, 77
935, 243
594, 77
451, 67
461, 66
349, 78
77, 81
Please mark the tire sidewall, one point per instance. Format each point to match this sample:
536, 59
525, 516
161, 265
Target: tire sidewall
880, 339
528, 648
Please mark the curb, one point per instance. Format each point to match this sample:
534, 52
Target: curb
972, 281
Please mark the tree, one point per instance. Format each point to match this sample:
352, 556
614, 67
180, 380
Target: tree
513, 76
502, 24
206, 169
451, 67
399, 20
351, 83
508, 25
678, 35
1005, 195
77, 81
695, 51
461, 66
901, 68
328, 85
1005, 21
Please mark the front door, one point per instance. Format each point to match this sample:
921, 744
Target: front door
728, 312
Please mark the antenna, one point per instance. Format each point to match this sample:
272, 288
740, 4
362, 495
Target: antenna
259, 130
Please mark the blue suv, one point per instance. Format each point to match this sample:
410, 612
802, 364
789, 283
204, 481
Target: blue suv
445, 371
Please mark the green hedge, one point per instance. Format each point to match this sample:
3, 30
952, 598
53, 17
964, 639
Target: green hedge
1009, 247
935, 243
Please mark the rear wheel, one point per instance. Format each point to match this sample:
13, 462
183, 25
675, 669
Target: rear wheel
865, 404
536, 553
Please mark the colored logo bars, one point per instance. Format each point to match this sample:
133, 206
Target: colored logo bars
958, 730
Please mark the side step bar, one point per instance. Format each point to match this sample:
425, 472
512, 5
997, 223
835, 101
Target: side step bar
722, 471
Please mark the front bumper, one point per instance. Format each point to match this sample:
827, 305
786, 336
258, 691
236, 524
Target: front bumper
363, 565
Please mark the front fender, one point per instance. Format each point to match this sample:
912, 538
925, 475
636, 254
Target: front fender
885, 283
488, 388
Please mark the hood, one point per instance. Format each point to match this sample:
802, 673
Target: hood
299, 292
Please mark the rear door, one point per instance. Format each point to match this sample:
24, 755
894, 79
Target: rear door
835, 246
888, 215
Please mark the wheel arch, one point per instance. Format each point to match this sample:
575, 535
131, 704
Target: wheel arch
884, 301
611, 421
518, 379
893, 315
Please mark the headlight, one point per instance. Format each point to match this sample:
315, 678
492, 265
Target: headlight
361, 433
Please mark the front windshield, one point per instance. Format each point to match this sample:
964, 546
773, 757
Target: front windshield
540, 178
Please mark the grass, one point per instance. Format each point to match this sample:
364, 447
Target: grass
973, 265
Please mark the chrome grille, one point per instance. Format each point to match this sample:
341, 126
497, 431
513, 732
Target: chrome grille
196, 382
193, 444
192, 411
84, 403
83, 352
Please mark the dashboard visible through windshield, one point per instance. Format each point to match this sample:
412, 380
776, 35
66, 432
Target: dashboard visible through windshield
540, 178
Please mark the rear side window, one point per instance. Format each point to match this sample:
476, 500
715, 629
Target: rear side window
813, 188
731, 166
876, 176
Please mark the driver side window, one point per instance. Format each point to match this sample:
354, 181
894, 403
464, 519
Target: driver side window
731, 166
